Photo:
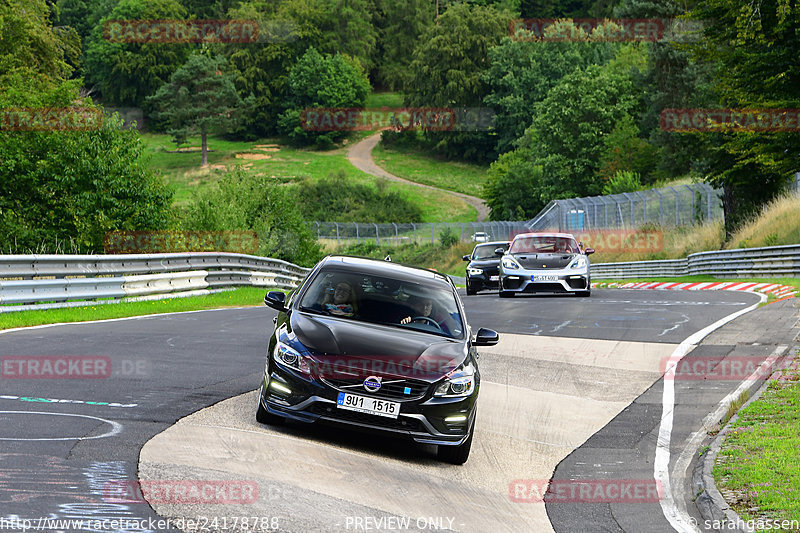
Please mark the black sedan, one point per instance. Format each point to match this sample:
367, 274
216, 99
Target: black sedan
483, 268
376, 346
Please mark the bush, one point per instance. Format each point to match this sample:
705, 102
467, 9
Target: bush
447, 238
256, 203
335, 199
623, 181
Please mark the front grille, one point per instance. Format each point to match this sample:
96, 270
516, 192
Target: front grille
333, 412
391, 389
544, 287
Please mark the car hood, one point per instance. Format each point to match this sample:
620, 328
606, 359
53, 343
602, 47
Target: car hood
544, 261
343, 348
484, 263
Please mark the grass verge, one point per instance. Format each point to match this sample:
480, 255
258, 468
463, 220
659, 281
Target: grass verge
181, 171
758, 467
430, 170
240, 297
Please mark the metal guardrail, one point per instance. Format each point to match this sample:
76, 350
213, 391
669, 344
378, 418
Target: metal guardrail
33, 279
764, 262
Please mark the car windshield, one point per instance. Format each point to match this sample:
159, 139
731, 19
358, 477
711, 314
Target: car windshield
544, 244
487, 251
420, 304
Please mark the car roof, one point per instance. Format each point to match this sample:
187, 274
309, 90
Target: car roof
380, 267
545, 234
491, 243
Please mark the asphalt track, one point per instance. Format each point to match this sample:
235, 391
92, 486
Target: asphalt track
562, 375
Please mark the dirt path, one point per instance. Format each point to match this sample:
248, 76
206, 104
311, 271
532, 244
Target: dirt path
360, 156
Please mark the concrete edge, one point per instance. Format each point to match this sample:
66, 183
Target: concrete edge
708, 499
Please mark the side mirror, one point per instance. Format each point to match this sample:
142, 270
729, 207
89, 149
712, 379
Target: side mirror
466, 258
499, 251
589, 251
486, 337
275, 300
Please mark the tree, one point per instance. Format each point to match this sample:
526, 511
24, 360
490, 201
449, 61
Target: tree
29, 44
127, 73
240, 201
262, 68
72, 185
403, 24
754, 47
448, 72
521, 74
322, 81
200, 98
348, 29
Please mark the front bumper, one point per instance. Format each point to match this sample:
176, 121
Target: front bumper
550, 281
489, 279
422, 420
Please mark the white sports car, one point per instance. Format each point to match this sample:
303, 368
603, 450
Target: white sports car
545, 262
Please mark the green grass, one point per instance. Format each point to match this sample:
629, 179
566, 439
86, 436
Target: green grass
760, 457
385, 99
182, 172
240, 297
431, 170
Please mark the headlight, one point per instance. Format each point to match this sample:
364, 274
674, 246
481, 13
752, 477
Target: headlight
509, 263
579, 262
475, 271
460, 383
288, 356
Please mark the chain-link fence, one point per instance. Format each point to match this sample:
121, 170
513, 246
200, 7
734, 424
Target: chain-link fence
346, 233
679, 205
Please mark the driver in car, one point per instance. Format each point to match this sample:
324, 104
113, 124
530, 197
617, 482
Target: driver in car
423, 307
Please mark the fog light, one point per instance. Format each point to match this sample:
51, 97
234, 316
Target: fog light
455, 419
279, 387
512, 277
575, 277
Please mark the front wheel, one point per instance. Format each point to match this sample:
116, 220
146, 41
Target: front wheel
506, 294
456, 455
585, 294
470, 290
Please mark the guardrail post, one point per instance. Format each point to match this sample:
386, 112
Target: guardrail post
377, 239
337, 233
415, 232
691, 191
677, 206
358, 239
396, 234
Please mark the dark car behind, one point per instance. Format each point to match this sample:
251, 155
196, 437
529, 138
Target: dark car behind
483, 268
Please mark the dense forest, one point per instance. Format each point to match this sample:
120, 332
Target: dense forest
572, 117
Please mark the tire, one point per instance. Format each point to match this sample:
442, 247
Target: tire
456, 455
506, 294
585, 294
471, 291
263, 416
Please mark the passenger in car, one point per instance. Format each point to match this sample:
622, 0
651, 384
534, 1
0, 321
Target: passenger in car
341, 301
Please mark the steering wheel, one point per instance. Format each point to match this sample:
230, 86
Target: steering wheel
428, 320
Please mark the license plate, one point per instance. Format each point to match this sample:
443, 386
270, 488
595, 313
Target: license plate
494, 278
543, 277
364, 404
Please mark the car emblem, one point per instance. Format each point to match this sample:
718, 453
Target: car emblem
372, 384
